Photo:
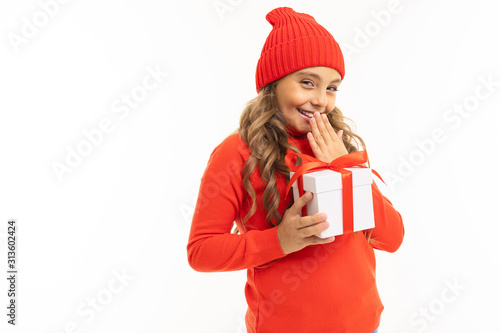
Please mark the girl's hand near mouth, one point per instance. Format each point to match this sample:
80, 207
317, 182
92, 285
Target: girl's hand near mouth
325, 143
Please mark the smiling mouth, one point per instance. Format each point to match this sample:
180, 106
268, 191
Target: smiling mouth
306, 113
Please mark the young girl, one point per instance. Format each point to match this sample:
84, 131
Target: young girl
296, 282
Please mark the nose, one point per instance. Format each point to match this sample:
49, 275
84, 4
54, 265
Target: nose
319, 98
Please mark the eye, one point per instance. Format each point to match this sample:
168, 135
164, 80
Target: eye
306, 82
332, 88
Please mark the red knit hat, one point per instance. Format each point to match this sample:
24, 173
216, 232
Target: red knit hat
297, 41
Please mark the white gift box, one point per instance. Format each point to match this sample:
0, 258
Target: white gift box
326, 186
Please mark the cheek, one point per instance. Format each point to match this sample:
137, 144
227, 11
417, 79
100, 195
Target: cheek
298, 97
331, 104
291, 97
288, 104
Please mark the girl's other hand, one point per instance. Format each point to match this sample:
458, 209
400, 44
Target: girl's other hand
325, 143
296, 232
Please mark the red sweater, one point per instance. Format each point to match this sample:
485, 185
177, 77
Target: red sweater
321, 288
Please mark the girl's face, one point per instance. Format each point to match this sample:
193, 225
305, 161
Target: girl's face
305, 91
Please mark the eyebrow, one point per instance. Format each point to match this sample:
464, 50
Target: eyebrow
317, 77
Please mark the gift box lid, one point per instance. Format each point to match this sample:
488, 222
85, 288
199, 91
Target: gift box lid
329, 180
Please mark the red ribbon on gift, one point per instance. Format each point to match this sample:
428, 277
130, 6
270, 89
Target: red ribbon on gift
311, 164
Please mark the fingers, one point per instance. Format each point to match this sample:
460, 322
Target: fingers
315, 138
322, 136
314, 146
325, 143
317, 240
301, 202
318, 221
308, 221
296, 232
328, 127
318, 134
312, 225
322, 129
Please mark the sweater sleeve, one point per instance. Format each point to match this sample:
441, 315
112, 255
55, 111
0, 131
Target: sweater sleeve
389, 229
211, 246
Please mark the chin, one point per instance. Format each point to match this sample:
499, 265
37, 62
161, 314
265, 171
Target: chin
300, 129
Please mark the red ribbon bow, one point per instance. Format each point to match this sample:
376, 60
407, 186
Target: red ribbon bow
311, 164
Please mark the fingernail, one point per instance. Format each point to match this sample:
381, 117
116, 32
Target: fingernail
322, 217
316, 114
313, 121
308, 195
323, 116
324, 225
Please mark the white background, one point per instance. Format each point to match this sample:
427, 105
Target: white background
124, 208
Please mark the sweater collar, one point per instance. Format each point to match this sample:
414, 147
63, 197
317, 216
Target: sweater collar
295, 134
300, 141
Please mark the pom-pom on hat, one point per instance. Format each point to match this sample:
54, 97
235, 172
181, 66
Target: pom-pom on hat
297, 41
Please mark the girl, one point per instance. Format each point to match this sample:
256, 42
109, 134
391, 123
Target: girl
296, 282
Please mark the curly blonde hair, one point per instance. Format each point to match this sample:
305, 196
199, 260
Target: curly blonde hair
262, 128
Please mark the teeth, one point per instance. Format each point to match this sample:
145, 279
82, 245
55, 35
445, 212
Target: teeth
308, 114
